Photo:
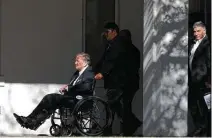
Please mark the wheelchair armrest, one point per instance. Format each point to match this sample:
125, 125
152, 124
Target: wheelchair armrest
79, 97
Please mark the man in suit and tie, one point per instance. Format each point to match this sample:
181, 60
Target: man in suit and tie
199, 79
81, 84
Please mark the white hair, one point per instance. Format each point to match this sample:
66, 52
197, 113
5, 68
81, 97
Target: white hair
199, 24
86, 57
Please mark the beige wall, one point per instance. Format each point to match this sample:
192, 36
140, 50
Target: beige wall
39, 39
130, 17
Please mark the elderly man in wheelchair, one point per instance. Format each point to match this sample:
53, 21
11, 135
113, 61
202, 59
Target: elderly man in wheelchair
76, 106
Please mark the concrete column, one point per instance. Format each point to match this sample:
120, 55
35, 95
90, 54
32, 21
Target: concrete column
165, 68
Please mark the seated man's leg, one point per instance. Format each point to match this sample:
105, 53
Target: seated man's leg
43, 111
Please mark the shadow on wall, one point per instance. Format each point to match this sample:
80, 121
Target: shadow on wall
165, 69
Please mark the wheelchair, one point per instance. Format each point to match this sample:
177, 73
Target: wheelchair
90, 116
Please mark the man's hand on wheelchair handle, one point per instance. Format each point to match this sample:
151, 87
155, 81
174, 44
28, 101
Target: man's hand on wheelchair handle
98, 76
63, 89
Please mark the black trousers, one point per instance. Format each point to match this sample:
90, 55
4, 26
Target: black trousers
130, 121
120, 102
50, 103
114, 98
198, 109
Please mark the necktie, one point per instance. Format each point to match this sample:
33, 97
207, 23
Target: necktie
74, 79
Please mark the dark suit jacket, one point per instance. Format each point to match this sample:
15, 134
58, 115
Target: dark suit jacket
113, 64
201, 65
84, 85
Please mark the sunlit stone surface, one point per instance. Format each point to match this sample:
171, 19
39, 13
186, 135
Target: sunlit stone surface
22, 99
165, 68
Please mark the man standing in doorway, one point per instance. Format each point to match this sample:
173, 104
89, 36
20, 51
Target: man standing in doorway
199, 79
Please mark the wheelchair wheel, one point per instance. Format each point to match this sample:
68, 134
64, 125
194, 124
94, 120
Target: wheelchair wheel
55, 118
55, 130
63, 120
66, 131
92, 115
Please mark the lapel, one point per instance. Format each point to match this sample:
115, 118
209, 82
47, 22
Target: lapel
74, 77
80, 79
190, 48
201, 46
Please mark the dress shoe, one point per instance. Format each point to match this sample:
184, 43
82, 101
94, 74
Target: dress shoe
21, 120
131, 127
121, 134
198, 132
107, 131
27, 122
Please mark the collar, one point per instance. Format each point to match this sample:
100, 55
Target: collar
80, 73
113, 40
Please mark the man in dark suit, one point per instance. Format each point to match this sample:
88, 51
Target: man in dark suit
81, 84
113, 70
199, 79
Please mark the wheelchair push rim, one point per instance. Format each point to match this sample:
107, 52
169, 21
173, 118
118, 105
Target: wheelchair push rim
91, 115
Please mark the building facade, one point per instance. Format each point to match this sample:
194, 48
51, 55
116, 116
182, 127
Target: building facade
39, 40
